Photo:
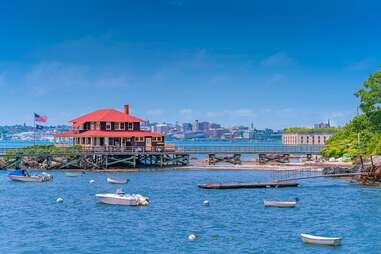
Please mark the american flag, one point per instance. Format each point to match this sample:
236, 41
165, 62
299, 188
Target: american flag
40, 118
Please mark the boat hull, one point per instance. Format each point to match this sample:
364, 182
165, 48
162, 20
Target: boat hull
113, 199
73, 174
280, 204
116, 181
330, 241
28, 178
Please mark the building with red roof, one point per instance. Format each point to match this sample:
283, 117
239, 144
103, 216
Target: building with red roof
111, 128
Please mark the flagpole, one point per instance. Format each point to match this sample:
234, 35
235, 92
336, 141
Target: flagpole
34, 131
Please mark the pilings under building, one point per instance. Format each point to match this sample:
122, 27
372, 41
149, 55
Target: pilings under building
94, 161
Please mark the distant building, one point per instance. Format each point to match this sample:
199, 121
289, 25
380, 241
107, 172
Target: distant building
195, 126
306, 137
187, 127
204, 126
161, 128
322, 125
215, 126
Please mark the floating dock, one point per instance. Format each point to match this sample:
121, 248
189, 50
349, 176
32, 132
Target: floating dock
247, 185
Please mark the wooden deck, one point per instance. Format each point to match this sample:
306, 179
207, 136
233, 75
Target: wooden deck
240, 185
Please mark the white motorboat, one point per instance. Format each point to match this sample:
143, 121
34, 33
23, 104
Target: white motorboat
120, 198
282, 204
22, 175
332, 241
116, 181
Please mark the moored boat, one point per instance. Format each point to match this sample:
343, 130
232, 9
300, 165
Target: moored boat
282, 204
116, 181
73, 174
121, 198
332, 241
23, 175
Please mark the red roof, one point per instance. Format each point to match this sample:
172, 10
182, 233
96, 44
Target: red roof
114, 134
105, 115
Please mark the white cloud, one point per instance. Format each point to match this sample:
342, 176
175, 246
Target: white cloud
237, 113
278, 59
276, 78
155, 112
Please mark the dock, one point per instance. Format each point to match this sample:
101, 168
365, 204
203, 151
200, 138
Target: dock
241, 185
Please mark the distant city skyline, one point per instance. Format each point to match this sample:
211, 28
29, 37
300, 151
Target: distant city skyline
276, 64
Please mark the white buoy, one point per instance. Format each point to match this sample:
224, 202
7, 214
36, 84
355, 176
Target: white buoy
92, 181
192, 237
59, 200
206, 203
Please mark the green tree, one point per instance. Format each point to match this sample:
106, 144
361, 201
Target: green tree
366, 127
370, 95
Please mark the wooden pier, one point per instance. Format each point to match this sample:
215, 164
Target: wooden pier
134, 157
241, 185
94, 160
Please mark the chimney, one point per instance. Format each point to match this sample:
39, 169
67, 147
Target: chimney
126, 109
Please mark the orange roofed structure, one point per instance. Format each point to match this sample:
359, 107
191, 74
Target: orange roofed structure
111, 128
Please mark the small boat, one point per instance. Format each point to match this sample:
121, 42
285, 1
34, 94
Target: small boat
121, 198
332, 241
73, 174
282, 204
116, 181
23, 175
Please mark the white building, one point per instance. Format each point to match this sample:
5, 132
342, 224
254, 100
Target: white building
300, 138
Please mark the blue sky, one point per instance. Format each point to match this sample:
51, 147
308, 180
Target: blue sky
273, 63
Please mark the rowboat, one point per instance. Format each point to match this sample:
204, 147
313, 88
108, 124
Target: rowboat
282, 204
74, 174
116, 181
22, 175
120, 198
332, 241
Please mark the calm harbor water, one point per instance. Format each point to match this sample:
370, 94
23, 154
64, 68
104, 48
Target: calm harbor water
235, 222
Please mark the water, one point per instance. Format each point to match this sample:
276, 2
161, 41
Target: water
235, 222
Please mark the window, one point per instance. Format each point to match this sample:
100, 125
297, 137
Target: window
130, 126
108, 126
122, 126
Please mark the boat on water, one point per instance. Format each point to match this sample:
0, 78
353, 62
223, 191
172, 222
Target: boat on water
313, 239
121, 198
117, 181
281, 204
23, 175
73, 174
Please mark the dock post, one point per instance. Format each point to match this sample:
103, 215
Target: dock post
261, 158
237, 158
161, 160
212, 159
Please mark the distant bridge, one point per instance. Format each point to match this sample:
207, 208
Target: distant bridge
253, 149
